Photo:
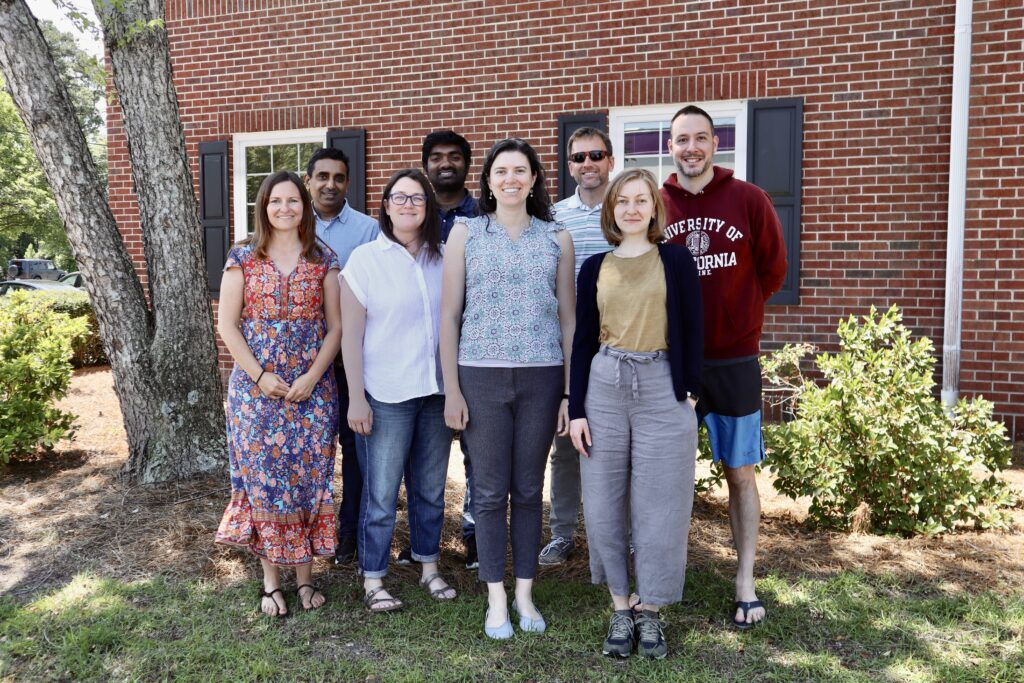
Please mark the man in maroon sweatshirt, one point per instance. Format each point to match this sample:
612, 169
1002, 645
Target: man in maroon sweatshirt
735, 237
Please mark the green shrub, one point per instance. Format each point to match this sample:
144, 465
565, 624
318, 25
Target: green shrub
86, 349
873, 448
35, 348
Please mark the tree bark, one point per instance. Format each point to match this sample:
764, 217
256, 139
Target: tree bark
163, 353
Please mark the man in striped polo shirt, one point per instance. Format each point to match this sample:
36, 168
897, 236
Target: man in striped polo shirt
590, 163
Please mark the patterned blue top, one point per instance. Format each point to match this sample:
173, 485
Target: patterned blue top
511, 311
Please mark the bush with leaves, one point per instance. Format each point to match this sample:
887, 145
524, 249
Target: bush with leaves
874, 449
86, 349
35, 348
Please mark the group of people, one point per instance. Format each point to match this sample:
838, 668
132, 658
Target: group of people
593, 329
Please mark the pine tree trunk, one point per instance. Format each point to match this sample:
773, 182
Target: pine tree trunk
162, 353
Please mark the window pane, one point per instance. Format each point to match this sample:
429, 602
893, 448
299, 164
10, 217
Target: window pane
257, 159
726, 133
252, 186
250, 218
285, 157
306, 150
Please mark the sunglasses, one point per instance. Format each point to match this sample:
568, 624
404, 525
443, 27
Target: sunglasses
594, 154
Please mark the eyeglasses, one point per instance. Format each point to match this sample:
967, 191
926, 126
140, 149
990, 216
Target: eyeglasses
400, 199
594, 154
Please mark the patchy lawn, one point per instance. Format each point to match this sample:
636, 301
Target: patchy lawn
102, 581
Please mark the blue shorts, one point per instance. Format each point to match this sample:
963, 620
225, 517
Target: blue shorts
730, 406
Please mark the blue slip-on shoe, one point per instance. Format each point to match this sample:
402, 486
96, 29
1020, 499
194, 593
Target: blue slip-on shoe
527, 624
502, 632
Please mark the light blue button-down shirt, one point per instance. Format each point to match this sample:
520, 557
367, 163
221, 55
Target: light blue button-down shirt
346, 231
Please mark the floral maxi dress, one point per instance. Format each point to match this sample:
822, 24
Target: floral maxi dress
281, 453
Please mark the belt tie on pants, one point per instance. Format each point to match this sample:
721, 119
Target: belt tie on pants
631, 358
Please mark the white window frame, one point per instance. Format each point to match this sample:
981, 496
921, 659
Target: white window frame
240, 142
618, 117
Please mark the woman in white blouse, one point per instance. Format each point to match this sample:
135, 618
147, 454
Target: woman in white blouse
391, 305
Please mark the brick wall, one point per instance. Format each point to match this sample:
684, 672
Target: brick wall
875, 77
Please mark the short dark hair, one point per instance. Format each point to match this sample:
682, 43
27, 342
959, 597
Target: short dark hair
326, 153
693, 109
588, 132
431, 228
538, 204
446, 137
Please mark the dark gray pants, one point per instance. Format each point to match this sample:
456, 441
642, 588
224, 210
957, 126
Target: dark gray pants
645, 445
512, 417
565, 488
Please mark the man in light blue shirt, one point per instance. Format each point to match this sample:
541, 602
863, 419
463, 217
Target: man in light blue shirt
590, 163
343, 229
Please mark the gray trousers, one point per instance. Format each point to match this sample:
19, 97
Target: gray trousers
513, 413
642, 458
565, 488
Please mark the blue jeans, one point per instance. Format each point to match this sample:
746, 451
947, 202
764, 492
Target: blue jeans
411, 432
468, 525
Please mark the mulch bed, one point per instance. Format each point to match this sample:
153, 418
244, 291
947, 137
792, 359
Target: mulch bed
68, 511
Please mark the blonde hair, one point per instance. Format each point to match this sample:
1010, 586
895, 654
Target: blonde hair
611, 232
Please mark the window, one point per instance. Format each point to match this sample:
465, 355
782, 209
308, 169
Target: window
640, 136
257, 155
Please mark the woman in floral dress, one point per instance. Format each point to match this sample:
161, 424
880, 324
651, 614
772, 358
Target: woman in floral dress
280, 320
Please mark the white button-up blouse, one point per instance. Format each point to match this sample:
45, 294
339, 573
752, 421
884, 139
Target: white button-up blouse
402, 298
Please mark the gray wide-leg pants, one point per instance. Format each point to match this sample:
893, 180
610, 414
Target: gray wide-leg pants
643, 453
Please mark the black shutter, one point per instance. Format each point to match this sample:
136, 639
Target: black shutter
353, 144
567, 125
213, 209
774, 155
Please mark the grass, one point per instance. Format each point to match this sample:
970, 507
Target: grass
845, 627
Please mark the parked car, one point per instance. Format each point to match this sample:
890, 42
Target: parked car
75, 279
34, 285
33, 269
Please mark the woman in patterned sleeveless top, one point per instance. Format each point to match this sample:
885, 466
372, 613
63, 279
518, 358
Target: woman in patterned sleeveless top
507, 322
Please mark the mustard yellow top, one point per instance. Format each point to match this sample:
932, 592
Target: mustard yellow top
631, 302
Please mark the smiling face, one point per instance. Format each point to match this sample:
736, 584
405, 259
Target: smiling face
510, 179
446, 168
634, 207
407, 219
590, 174
693, 145
285, 207
328, 186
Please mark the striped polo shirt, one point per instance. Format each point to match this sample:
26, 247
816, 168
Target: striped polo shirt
584, 224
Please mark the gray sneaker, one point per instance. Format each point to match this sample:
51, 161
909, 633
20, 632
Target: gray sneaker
620, 640
557, 551
651, 631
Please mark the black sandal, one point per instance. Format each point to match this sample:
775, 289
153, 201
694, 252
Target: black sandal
298, 592
280, 614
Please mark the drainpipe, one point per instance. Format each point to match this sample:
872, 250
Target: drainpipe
957, 204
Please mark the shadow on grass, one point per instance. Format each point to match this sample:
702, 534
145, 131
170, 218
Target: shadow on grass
851, 627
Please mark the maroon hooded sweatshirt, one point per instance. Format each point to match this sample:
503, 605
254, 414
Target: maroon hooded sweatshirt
734, 234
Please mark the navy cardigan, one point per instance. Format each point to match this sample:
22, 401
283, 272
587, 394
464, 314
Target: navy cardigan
685, 325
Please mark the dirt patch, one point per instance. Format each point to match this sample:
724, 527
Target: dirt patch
68, 511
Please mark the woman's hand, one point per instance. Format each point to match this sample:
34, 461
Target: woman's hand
273, 386
456, 413
579, 432
302, 388
563, 418
360, 415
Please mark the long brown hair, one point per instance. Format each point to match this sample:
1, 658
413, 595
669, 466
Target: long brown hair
262, 231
